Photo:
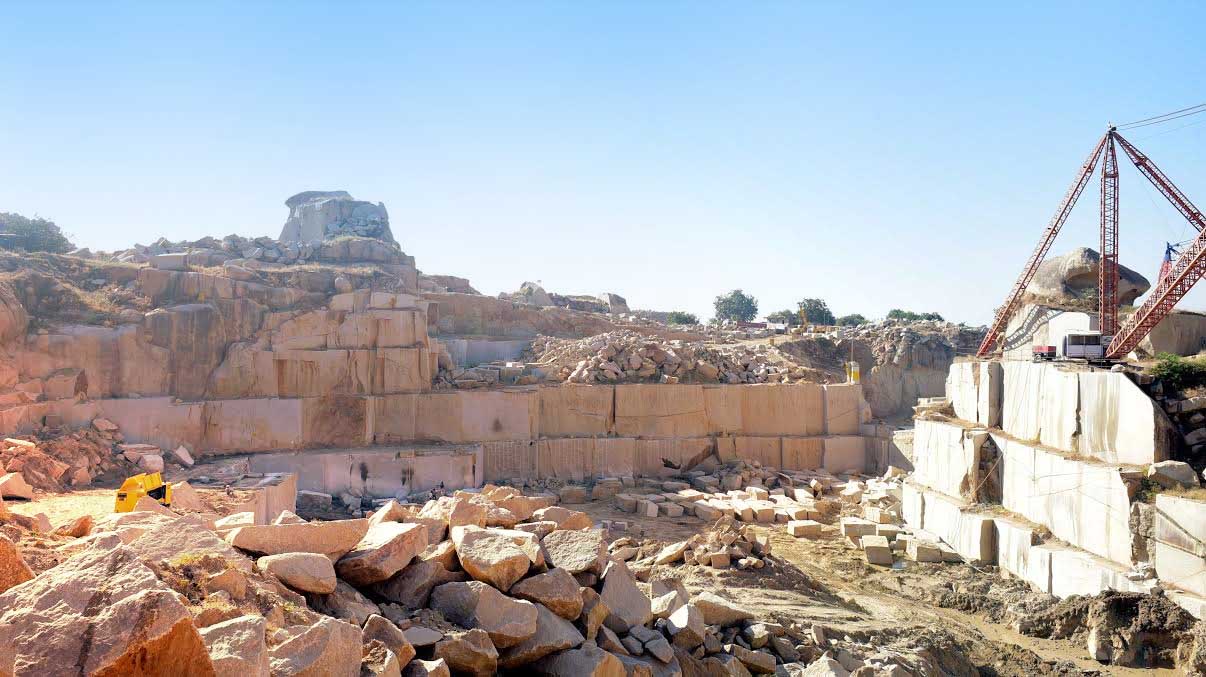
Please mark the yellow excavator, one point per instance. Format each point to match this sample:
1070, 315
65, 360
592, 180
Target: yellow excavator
143, 484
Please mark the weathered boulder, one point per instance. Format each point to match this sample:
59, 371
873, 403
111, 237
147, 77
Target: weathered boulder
333, 539
345, 603
378, 661
470, 652
719, 611
421, 668
553, 633
324, 214
383, 630
329, 647
628, 605
477, 605
13, 569
455, 511
586, 661
1072, 279
412, 586
577, 551
564, 517
385, 550
302, 571
237, 647
499, 557
1172, 474
13, 485
188, 535
556, 589
111, 615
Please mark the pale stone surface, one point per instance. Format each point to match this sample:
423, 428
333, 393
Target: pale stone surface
386, 549
1180, 530
329, 538
477, 605
237, 647
303, 571
378, 661
328, 647
167, 540
577, 551
496, 556
421, 668
586, 661
1172, 474
13, 485
564, 517
946, 457
556, 589
719, 611
141, 623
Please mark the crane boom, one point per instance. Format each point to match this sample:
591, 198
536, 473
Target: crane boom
1189, 267
1107, 269
1057, 222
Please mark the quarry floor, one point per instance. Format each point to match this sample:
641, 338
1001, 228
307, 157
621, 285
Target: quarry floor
827, 582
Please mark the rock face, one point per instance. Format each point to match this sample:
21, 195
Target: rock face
111, 616
237, 647
329, 647
325, 214
1071, 279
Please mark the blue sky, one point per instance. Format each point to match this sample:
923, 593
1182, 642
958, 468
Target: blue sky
875, 155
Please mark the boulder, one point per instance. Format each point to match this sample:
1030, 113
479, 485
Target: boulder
383, 630
185, 537
378, 661
477, 605
183, 457
326, 214
719, 611
553, 633
345, 603
412, 586
112, 615
302, 571
1172, 474
237, 647
556, 589
421, 637
150, 463
586, 661
824, 667
385, 550
77, 528
333, 539
470, 653
497, 556
686, 627
564, 517
594, 612
1072, 278
455, 511
420, 668
13, 485
13, 569
329, 647
578, 551
627, 604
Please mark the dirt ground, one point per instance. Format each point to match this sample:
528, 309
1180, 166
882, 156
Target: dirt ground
829, 583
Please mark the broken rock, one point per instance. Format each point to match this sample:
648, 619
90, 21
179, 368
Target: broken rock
553, 633
556, 589
328, 647
385, 550
13, 569
237, 647
302, 571
497, 556
477, 605
333, 539
470, 653
577, 551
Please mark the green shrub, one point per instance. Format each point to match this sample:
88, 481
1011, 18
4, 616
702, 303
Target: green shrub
737, 306
679, 317
852, 320
32, 235
1178, 373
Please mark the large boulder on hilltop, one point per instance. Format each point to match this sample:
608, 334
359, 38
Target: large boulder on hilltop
1071, 281
100, 612
323, 214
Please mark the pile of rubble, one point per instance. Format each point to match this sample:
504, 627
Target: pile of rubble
471, 583
54, 460
627, 356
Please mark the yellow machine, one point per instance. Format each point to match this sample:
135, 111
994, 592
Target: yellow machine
144, 484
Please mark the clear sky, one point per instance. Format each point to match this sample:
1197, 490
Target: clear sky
876, 155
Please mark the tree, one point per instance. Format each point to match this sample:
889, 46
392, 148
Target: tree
680, 317
816, 311
787, 317
898, 314
737, 306
32, 235
852, 320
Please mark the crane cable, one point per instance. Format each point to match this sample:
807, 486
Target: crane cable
1167, 117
